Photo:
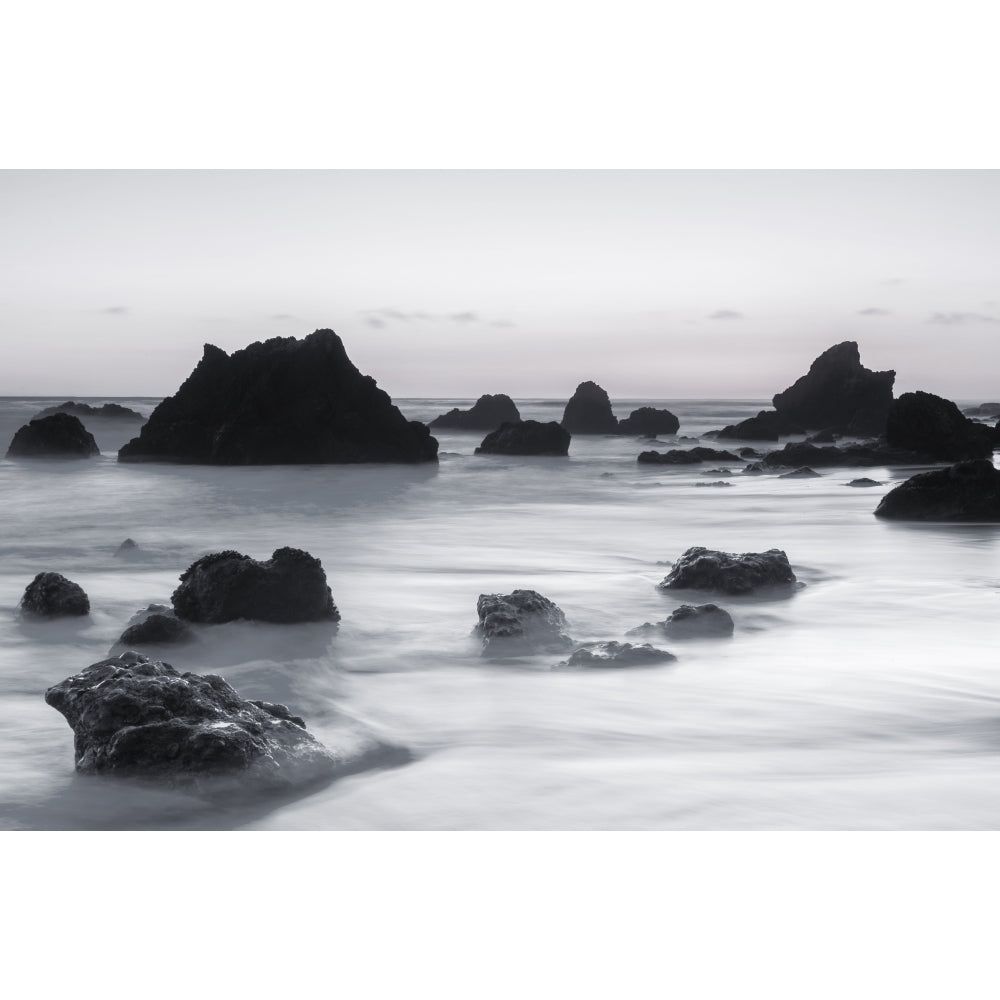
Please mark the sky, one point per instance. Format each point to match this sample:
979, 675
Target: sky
653, 283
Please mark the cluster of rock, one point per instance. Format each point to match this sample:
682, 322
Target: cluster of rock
60, 435
487, 414
589, 412
109, 411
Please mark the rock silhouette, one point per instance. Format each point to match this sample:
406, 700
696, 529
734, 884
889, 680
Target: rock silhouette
966, 491
109, 411
58, 436
526, 437
937, 428
589, 411
488, 413
649, 421
686, 456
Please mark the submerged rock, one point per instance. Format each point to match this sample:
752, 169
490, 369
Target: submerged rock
158, 625
280, 402
935, 427
135, 717
616, 654
51, 595
865, 481
520, 622
289, 587
968, 491
58, 436
589, 411
109, 411
488, 413
700, 621
686, 456
706, 569
526, 437
649, 421
802, 473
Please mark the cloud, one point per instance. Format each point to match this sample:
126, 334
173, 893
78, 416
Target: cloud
726, 314
874, 311
957, 318
375, 322
378, 318
464, 317
115, 311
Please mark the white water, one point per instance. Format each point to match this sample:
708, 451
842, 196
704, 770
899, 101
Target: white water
868, 700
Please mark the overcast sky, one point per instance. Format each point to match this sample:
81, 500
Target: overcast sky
455, 283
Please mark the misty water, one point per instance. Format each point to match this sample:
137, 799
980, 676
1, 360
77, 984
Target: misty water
868, 699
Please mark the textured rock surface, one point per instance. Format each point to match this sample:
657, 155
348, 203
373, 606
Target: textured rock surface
526, 437
58, 436
109, 411
157, 625
135, 717
488, 413
968, 491
520, 622
686, 456
51, 595
935, 427
706, 569
280, 402
649, 421
589, 411
617, 654
700, 621
289, 587
839, 393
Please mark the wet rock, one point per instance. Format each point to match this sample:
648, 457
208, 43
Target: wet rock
280, 402
688, 456
967, 491
838, 393
802, 473
617, 654
864, 482
225, 586
935, 427
526, 437
58, 436
109, 411
766, 426
140, 718
589, 411
157, 625
520, 622
699, 621
725, 572
51, 595
649, 421
488, 413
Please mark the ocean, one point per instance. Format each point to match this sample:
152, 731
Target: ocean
865, 700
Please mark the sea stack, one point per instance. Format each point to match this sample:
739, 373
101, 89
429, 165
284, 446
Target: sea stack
280, 402
589, 411
60, 435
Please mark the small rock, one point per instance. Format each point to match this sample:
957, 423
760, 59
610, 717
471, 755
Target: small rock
157, 625
706, 569
616, 654
58, 436
527, 437
51, 595
802, 473
864, 482
520, 622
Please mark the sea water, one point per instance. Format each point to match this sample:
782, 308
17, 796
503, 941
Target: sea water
865, 699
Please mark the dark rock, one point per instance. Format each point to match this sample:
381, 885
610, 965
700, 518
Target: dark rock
689, 456
51, 595
488, 413
864, 482
968, 491
839, 393
58, 436
135, 717
719, 483
754, 469
983, 410
126, 548
935, 427
701, 621
520, 622
649, 421
225, 586
158, 625
109, 411
705, 569
823, 437
803, 473
280, 402
716, 472
797, 454
766, 426
526, 437
749, 453
589, 411
617, 654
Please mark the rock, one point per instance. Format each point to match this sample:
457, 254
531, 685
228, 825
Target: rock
109, 411
158, 625
967, 491
797, 454
689, 456
58, 436
749, 453
823, 437
649, 421
140, 718
589, 411
51, 595
280, 402
127, 548
766, 426
802, 473
838, 393
718, 483
521, 622
526, 437
705, 569
983, 410
700, 621
935, 427
488, 413
289, 587
754, 469
716, 472
616, 654
864, 482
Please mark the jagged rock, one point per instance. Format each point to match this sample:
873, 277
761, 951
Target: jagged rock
754, 469
280, 402
589, 411
649, 421
864, 482
802, 473
289, 587
488, 413
706, 569
983, 410
936, 427
521, 622
158, 625
109, 411
51, 595
58, 436
967, 491
766, 426
526, 437
700, 621
135, 717
838, 393
616, 654
689, 456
